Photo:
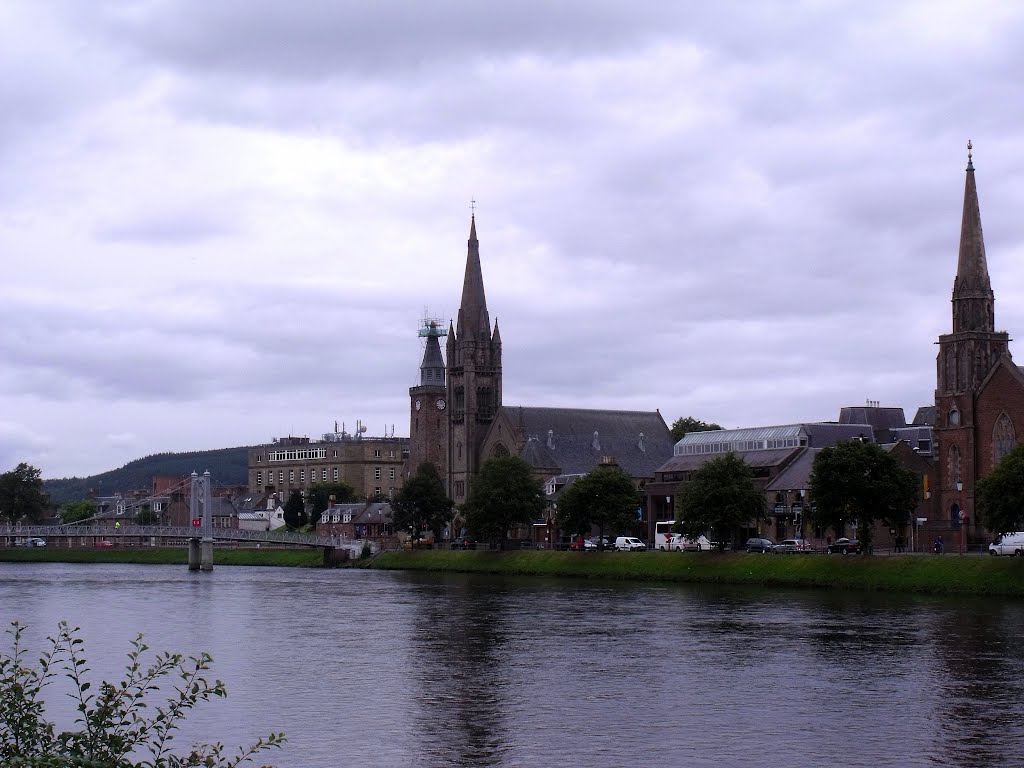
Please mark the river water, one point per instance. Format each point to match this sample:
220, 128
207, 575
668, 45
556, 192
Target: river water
364, 668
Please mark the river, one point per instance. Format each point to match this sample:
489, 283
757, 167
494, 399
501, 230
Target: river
386, 669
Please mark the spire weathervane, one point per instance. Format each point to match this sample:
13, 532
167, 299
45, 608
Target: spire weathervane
970, 163
472, 207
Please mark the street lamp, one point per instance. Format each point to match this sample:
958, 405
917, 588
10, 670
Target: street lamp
960, 514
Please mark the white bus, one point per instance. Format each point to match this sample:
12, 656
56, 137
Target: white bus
666, 541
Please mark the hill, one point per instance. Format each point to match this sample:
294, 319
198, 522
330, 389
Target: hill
227, 467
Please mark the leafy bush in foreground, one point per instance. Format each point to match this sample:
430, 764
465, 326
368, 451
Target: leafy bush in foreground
117, 722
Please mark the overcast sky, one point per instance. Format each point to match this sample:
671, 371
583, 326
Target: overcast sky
222, 222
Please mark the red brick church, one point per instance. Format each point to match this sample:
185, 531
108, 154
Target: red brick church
979, 391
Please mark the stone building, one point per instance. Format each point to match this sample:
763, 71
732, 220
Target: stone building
979, 391
371, 465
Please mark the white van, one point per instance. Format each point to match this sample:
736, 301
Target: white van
629, 544
1009, 544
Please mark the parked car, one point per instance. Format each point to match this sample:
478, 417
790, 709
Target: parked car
32, 542
587, 545
1008, 544
605, 543
791, 546
844, 546
629, 544
764, 546
104, 543
680, 543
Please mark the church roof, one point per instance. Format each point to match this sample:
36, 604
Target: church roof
577, 438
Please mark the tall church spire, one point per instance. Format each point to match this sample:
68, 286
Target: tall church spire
973, 299
473, 322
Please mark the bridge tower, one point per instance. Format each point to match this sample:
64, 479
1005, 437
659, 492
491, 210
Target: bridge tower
200, 552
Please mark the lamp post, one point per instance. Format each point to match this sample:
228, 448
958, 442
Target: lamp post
960, 514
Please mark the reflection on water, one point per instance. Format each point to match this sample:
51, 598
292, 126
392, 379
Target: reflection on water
393, 669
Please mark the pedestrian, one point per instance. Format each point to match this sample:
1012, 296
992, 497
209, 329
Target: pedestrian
942, 545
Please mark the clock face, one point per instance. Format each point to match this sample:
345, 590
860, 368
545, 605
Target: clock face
440, 403
418, 404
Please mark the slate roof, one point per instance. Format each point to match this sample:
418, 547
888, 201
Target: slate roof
797, 474
878, 418
925, 416
568, 437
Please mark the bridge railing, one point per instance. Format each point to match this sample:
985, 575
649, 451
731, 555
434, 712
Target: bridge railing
166, 532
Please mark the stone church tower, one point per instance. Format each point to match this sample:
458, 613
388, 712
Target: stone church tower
979, 393
428, 401
474, 375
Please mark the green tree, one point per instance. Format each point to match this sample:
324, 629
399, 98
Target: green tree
682, 426
999, 497
319, 495
21, 495
76, 511
117, 723
858, 481
719, 498
504, 494
421, 504
604, 498
295, 511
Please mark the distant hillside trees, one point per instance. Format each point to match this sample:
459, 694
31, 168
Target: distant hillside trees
228, 466
21, 495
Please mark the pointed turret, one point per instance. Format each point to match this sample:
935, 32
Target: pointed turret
432, 367
473, 321
973, 299
496, 337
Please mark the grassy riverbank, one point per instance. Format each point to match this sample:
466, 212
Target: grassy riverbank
161, 556
945, 574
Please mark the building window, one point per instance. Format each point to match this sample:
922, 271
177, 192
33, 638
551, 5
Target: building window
335, 473
335, 453
259, 458
376, 453
391, 474
954, 417
376, 491
323, 475
291, 475
376, 473
1003, 440
302, 475
259, 478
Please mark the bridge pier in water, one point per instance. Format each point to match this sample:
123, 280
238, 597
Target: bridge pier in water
200, 553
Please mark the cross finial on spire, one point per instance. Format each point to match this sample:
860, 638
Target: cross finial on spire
472, 207
970, 163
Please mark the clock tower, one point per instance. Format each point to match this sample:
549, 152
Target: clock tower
428, 407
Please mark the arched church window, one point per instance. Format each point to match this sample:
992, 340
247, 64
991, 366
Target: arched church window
499, 450
1003, 439
954, 417
954, 464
